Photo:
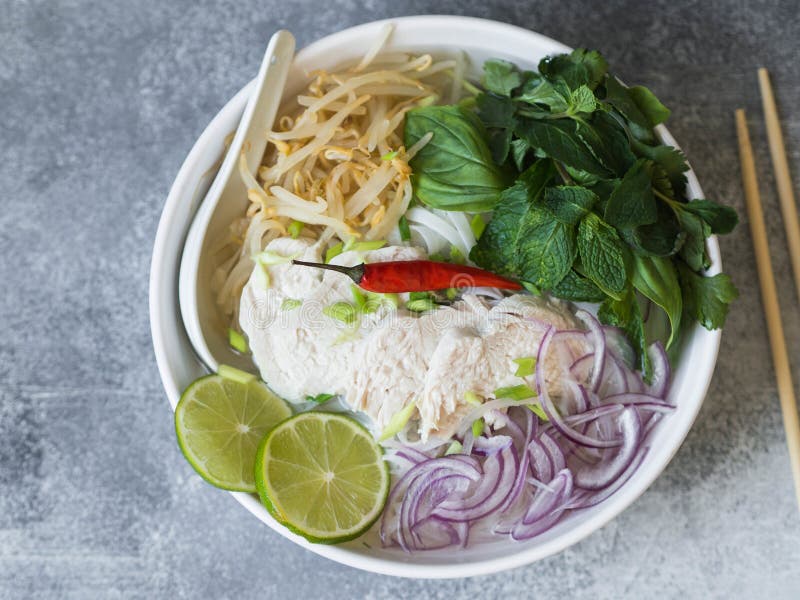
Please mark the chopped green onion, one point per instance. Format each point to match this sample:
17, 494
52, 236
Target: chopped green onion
366, 246
397, 422
290, 304
358, 296
234, 374
419, 296
421, 305
350, 334
477, 224
375, 301
537, 410
451, 293
237, 341
454, 448
295, 228
261, 276
333, 252
405, 230
341, 311
526, 366
389, 155
531, 288
515, 392
428, 100
437, 257
319, 398
477, 427
457, 256
269, 258
348, 245
472, 398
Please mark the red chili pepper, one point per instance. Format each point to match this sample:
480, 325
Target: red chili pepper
416, 276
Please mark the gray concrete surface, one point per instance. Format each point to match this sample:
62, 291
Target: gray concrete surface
99, 103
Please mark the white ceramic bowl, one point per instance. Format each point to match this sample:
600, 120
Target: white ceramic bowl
480, 40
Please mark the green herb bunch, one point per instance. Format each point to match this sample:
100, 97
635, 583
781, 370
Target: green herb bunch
586, 203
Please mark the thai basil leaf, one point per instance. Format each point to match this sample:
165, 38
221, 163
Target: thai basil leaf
656, 279
455, 170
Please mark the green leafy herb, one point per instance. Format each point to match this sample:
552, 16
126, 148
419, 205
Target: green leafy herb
707, 299
455, 170
500, 76
604, 257
569, 204
580, 67
632, 202
625, 314
656, 278
578, 288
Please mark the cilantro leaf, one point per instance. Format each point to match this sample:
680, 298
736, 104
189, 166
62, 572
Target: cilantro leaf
580, 67
720, 218
696, 231
617, 95
501, 77
707, 299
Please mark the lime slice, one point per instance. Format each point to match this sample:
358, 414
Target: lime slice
220, 423
322, 475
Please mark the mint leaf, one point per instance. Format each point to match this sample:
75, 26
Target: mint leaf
632, 202
651, 107
501, 77
455, 170
577, 288
546, 250
496, 250
559, 139
569, 204
580, 67
582, 100
519, 149
720, 218
707, 299
604, 257
665, 237
656, 279
625, 314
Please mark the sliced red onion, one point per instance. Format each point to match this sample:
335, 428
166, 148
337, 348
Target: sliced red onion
661, 370
599, 347
604, 474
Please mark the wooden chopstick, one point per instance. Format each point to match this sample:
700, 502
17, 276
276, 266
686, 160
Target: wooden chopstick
782, 179
769, 294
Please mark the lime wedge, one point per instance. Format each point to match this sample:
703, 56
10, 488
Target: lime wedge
220, 423
322, 475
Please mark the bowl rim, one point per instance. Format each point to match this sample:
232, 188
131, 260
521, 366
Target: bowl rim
185, 181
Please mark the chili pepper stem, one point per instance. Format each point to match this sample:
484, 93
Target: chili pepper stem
355, 273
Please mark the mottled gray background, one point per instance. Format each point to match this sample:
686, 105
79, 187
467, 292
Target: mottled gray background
100, 102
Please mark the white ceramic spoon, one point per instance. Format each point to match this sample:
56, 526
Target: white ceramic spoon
226, 201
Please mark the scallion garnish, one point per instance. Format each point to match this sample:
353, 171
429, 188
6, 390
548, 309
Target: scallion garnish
319, 398
341, 311
295, 228
525, 366
454, 448
472, 398
237, 341
234, 374
290, 304
515, 392
333, 252
477, 427
477, 224
397, 422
